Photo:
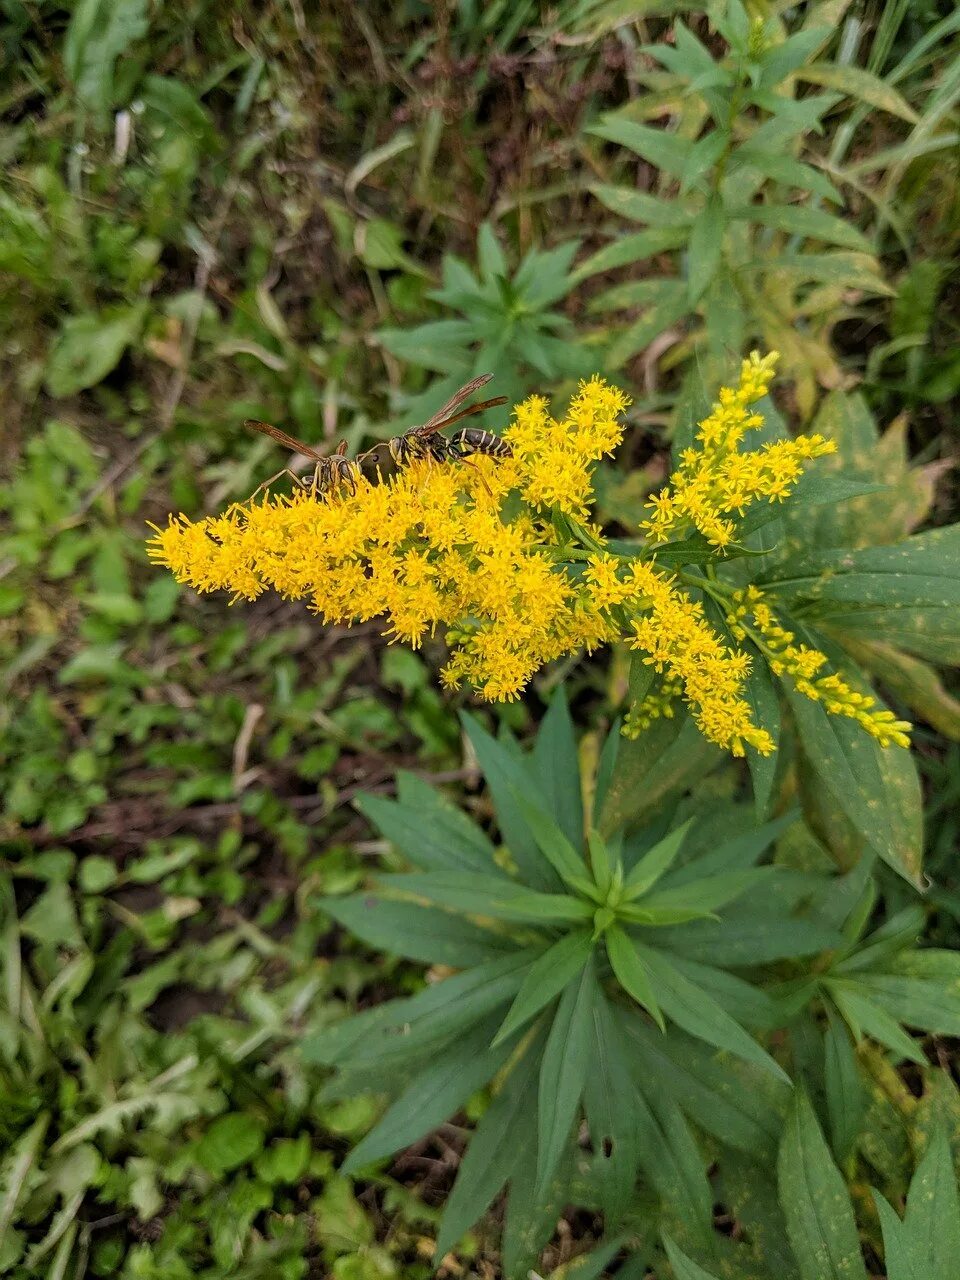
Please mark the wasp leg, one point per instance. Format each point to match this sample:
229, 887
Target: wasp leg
473, 467
267, 483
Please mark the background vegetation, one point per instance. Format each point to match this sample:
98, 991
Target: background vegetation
325, 216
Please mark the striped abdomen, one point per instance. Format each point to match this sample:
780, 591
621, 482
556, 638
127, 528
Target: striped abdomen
475, 440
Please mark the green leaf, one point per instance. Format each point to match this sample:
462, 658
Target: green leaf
625, 250
545, 979
863, 1015
737, 1103
706, 247
551, 841
640, 206
684, 1268
438, 345
428, 830
492, 1153
503, 773
491, 897
666, 151
672, 1162
437, 1012
490, 256
563, 1072
557, 766
440, 1088
784, 169
631, 973
857, 82
816, 1205
841, 266
707, 894
666, 759
785, 58
608, 1094
899, 1258
846, 1096
232, 1140
876, 788
930, 1001
703, 156
805, 220
694, 1011
532, 1211
932, 1220
88, 347
416, 932
672, 304
907, 593
655, 863
99, 32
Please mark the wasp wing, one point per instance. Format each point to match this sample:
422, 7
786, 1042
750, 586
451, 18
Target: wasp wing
433, 424
291, 442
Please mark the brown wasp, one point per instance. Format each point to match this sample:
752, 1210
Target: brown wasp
427, 442
330, 469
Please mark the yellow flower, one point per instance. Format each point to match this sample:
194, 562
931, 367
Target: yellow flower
481, 551
432, 547
681, 645
715, 481
750, 615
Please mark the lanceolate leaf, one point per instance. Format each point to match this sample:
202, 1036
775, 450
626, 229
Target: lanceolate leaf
669, 757
685, 1268
434, 1096
608, 1102
697, 1013
846, 1096
816, 1205
865, 1016
631, 973
493, 1150
546, 978
878, 791
738, 1103
655, 863
532, 1211
932, 1221
503, 772
640, 206
443, 1008
808, 221
417, 932
566, 1062
706, 247
671, 1160
551, 841
430, 832
667, 151
489, 896
557, 766
900, 1260
859, 83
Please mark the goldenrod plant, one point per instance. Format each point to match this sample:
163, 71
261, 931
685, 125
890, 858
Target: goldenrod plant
502, 553
583, 982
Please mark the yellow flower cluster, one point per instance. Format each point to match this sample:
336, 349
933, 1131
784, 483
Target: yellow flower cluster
752, 616
430, 546
678, 641
556, 458
500, 554
715, 480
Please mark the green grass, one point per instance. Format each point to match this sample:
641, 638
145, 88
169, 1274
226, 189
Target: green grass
208, 214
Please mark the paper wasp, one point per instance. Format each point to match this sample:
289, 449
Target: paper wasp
426, 441
330, 470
